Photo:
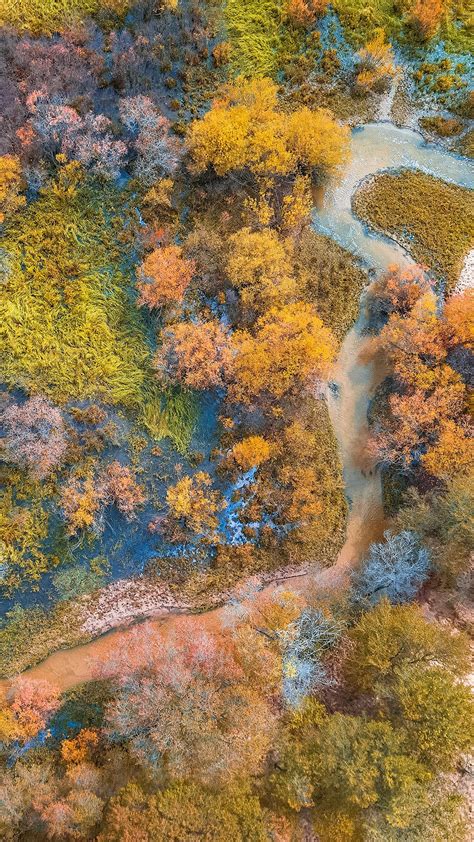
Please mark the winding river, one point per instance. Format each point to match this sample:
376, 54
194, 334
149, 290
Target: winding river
375, 147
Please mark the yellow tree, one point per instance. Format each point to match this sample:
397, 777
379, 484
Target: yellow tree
290, 346
246, 129
259, 265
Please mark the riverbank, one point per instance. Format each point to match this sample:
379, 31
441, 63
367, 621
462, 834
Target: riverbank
354, 380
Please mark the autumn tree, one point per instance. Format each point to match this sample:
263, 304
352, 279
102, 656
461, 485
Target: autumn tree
437, 713
443, 520
251, 452
32, 703
458, 319
193, 502
36, 438
164, 277
259, 266
389, 638
427, 407
290, 346
246, 130
182, 705
196, 354
80, 749
185, 811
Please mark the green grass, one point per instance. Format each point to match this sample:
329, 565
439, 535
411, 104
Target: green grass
432, 219
171, 414
254, 30
45, 17
68, 328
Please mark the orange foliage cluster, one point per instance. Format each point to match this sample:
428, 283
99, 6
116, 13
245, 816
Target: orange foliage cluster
164, 277
426, 16
119, 486
305, 12
80, 749
197, 354
32, 702
428, 419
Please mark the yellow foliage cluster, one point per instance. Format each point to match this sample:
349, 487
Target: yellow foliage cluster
252, 452
259, 266
246, 129
376, 63
10, 186
66, 325
80, 504
290, 345
193, 501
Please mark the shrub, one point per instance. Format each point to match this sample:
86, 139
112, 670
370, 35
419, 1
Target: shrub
119, 486
35, 436
395, 569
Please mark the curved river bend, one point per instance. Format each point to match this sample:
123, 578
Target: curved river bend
375, 147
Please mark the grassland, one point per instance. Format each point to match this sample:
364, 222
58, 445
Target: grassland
432, 219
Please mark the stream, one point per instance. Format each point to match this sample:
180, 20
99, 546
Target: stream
375, 147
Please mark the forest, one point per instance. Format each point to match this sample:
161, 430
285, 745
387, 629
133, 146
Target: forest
236, 436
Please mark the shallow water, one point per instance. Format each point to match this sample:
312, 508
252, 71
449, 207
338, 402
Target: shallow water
375, 147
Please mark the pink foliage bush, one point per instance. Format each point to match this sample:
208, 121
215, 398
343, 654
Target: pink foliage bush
85, 139
158, 152
33, 702
119, 486
35, 436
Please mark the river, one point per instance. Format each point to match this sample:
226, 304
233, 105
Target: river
375, 147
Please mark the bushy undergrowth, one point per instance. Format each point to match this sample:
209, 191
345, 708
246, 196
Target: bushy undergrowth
171, 414
333, 280
361, 20
434, 220
68, 328
254, 30
27, 636
45, 17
